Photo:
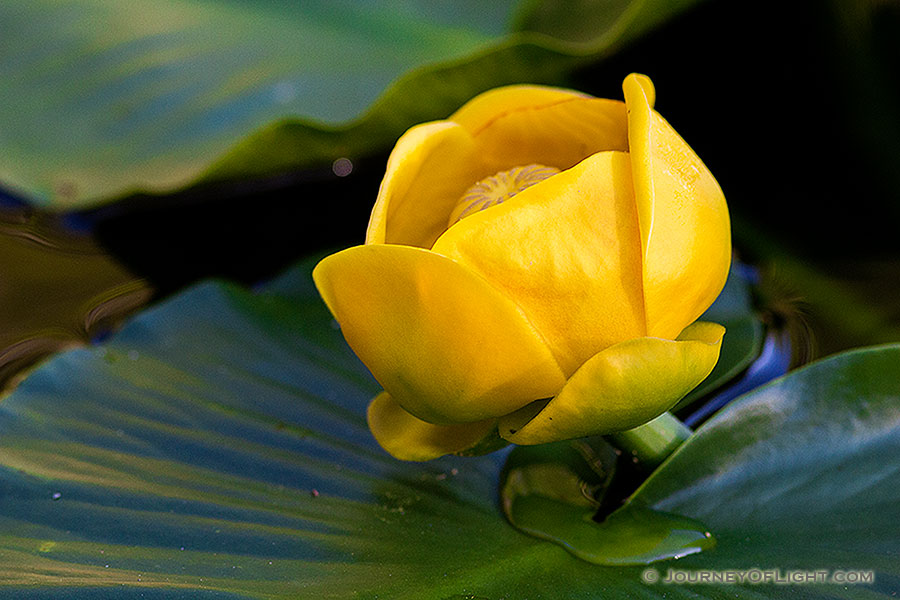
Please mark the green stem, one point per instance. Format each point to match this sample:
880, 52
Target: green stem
653, 442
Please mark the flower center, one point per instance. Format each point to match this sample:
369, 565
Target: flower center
498, 188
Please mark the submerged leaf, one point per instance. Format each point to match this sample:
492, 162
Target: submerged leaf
553, 492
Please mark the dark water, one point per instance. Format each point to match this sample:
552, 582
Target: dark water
71, 278
58, 289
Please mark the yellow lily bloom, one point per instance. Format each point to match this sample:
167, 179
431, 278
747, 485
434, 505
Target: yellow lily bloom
533, 268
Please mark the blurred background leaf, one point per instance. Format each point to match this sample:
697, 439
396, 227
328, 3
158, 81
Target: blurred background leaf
103, 98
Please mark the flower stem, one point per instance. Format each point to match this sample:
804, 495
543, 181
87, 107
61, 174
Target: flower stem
653, 442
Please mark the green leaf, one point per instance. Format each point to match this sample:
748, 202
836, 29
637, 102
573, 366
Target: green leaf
554, 492
216, 448
102, 98
800, 473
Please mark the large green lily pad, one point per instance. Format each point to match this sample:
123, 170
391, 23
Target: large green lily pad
102, 98
216, 448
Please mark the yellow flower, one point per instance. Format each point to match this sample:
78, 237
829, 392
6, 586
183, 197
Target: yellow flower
539, 244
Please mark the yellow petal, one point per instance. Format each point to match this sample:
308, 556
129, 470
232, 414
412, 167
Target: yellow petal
620, 388
405, 437
520, 125
567, 250
428, 171
441, 340
685, 229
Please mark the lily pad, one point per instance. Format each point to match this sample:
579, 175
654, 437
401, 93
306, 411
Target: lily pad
103, 98
216, 448
554, 492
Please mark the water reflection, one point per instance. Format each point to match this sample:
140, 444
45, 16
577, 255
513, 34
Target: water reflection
58, 289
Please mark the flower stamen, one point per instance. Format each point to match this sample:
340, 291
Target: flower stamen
498, 188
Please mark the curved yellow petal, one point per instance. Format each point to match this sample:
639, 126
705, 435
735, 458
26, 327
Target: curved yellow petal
428, 171
685, 228
406, 437
524, 124
496, 103
444, 343
620, 388
568, 251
